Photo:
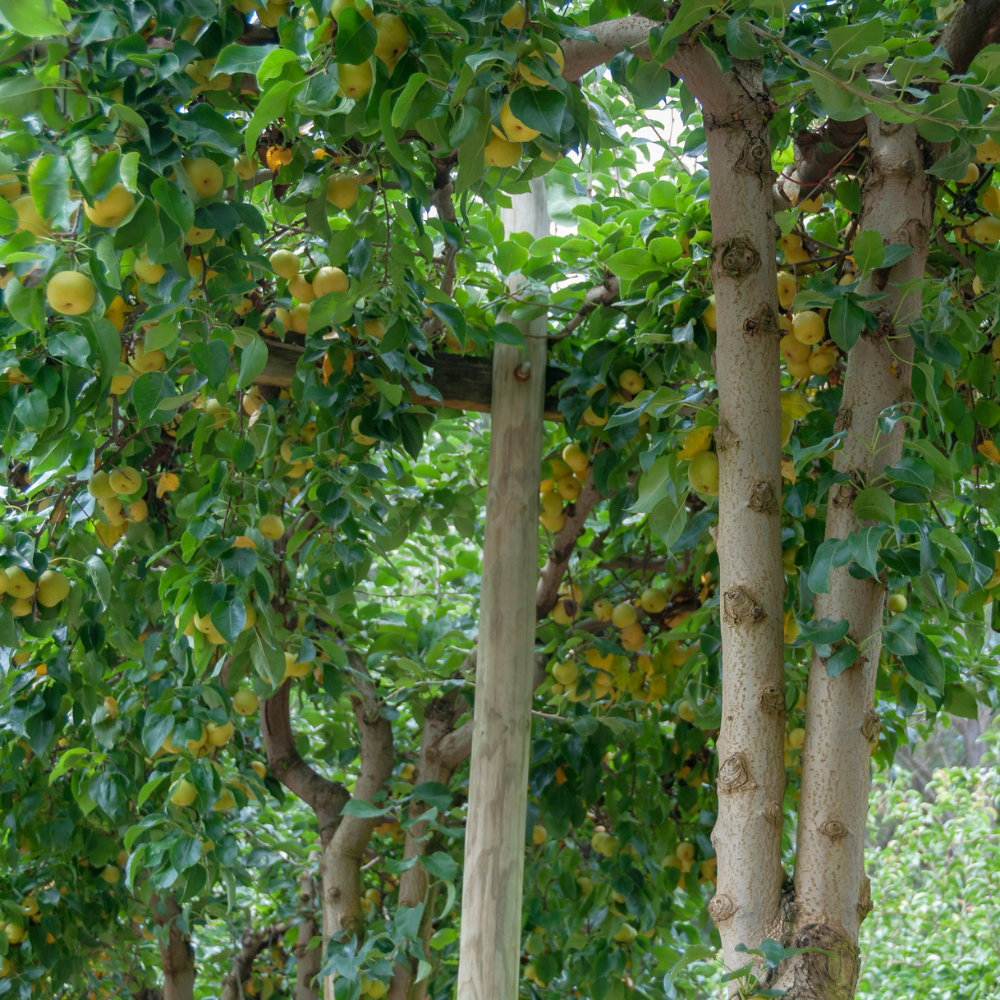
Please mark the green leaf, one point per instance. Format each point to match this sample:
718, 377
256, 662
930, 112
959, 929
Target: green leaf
229, 618
235, 59
156, 729
32, 18
655, 484
824, 632
668, 519
951, 543
629, 264
926, 665
253, 361
829, 554
863, 546
841, 659
271, 106
510, 257
539, 108
151, 786
401, 107
434, 794
212, 360
68, 759
356, 37
874, 504
148, 391
960, 700
101, 578
175, 203
900, 636
847, 320
849, 195
868, 250
687, 16
440, 865
740, 40
274, 64
132, 118
185, 853
364, 810
49, 186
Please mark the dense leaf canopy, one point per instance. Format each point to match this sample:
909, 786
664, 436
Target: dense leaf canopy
247, 255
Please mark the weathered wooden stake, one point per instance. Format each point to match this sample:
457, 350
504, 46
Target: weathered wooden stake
495, 838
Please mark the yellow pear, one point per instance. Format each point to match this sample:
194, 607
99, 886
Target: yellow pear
513, 127
393, 38
205, 175
355, 81
112, 211
501, 153
342, 191
70, 293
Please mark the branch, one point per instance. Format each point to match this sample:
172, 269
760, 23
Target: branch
973, 26
326, 798
441, 198
253, 943
610, 38
599, 295
343, 855
547, 590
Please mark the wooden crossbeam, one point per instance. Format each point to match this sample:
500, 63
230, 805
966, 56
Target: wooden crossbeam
465, 382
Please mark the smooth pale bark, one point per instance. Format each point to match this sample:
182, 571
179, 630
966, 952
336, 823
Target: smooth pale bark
343, 855
495, 833
751, 781
176, 954
832, 893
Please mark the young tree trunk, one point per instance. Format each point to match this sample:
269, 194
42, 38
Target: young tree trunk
751, 780
832, 893
307, 960
439, 756
342, 856
495, 836
176, 954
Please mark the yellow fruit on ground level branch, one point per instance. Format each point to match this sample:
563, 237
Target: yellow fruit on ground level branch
897, 603
70, 293
623, 615
147, 271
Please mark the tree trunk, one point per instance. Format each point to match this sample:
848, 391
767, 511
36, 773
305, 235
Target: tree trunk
751, 780
832, 893
176, 954
489, 967
437, 763
342, 856
307, 960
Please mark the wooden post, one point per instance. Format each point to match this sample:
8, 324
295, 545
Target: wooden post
494, 837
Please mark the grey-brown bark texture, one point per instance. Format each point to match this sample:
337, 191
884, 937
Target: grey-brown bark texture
176, 954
